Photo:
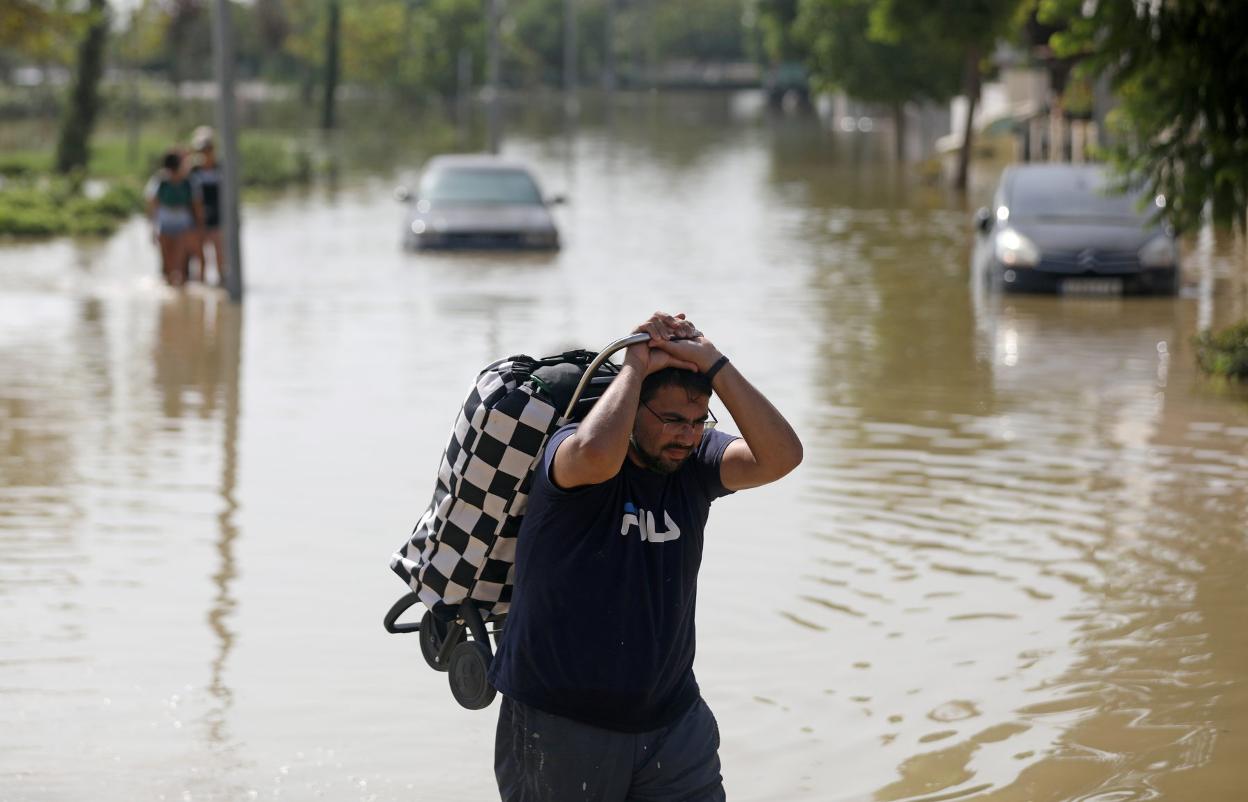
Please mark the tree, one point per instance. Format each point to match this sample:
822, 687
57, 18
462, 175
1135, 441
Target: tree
73, 147
272, 24
700, 30
408, 45
1180, 69
970, 26
843, 54
778, 39
331, 66
28, 26
187, 39
447, 28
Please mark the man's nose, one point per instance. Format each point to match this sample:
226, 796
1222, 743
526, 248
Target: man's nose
685, 436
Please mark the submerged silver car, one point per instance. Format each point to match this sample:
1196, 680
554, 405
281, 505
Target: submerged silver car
1061, 228
478, 201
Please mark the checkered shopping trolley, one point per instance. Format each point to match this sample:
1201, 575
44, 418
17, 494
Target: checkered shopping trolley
459, 560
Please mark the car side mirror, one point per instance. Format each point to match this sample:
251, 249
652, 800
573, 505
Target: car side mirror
983, 220
556, 200
402, 194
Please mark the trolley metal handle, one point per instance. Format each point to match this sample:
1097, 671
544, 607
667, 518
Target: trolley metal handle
397, 609
603, 356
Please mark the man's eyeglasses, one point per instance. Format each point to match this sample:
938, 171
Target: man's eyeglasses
675, 423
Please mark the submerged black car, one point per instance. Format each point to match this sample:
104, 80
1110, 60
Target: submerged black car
1061, 228
477, 201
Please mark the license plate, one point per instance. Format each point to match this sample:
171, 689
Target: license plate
1092, 286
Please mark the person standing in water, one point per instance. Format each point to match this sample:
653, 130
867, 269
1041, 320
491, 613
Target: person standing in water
174, 209
596, 660
206, 175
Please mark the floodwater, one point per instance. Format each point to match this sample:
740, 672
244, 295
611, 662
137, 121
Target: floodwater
1012, 566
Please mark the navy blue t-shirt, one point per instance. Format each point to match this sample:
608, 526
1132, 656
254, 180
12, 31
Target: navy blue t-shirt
601, 625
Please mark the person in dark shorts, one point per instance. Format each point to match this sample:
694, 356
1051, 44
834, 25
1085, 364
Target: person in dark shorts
206, 175
595, 664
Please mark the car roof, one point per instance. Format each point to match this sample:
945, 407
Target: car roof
476, 161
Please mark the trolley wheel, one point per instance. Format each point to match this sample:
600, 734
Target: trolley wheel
432, 635
470, 661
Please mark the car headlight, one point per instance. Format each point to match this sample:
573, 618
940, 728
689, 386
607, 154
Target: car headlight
1159, 252
1015, 250
423, 234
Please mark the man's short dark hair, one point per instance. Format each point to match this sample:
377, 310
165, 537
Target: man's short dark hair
694, 383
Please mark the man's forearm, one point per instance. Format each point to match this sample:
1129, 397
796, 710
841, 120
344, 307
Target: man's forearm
601, 442
773, 442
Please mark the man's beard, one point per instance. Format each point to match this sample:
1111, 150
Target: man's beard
656, 462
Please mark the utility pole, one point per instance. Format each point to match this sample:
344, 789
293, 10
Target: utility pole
569, 55
491, 75
331, 66
463, 87
227, 133
608, 47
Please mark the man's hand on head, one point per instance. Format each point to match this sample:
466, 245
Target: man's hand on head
663, 328
694, 349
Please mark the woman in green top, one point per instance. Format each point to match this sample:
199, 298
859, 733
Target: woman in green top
174, 207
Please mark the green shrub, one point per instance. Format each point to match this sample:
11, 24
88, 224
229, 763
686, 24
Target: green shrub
28, 221
1224, 353
56, 206
272, 161
121, 199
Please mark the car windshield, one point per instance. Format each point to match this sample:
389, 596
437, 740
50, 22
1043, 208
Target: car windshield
1061, 194
470, 185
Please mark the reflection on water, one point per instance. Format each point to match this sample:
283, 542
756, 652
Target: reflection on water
1010, 569
108, 515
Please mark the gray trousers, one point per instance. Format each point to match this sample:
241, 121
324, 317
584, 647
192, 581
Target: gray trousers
539, 757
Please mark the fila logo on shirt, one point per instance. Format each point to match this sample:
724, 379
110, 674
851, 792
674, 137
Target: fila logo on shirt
643, 520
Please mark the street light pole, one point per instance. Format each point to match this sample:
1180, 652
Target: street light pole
223, 58
608, 47
491, 75
569, 55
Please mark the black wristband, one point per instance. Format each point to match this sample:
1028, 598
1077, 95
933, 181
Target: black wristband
713, 369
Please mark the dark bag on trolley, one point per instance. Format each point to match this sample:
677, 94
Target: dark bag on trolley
464, 546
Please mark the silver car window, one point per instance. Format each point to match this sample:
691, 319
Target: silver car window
479, 186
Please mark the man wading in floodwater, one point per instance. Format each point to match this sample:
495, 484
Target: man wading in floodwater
596, 660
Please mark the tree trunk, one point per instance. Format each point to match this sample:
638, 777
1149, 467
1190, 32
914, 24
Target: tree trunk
182, 17
73, 148
970, 83
569, 48
331, 66
899, 130
608, 46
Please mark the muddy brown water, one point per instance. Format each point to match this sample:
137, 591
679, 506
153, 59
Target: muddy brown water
1012, 566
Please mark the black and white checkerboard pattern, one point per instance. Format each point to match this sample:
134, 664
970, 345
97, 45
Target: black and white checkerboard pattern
464, 545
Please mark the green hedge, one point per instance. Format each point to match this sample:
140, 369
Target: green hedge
48, 207
1224, 353
272, 161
